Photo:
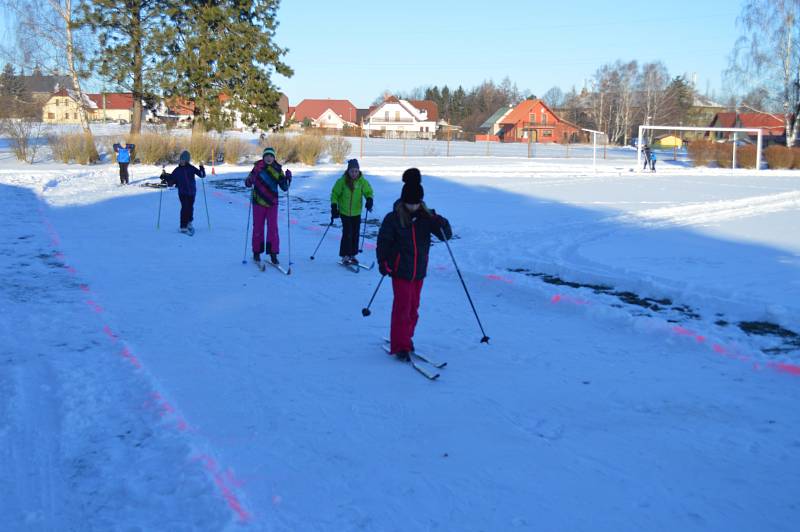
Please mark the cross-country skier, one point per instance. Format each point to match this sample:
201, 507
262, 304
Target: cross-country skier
183, 178
646, 156
265, 178
346, 199
124, 153
404, 241
653, 160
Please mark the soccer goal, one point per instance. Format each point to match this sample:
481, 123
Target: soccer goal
758, 131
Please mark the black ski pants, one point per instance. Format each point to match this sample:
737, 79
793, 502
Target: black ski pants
187, 209
349, 244
123, 173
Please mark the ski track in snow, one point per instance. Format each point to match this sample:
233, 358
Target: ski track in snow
717, 211
640, 423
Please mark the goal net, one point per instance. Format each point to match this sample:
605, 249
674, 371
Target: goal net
734, 130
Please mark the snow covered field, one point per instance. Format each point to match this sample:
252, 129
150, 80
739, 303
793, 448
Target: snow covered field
643, 371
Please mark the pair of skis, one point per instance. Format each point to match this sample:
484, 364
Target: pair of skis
416, 360
262, 266
355, 267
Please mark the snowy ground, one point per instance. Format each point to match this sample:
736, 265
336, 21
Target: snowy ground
643, 371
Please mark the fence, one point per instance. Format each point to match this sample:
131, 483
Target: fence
382, 147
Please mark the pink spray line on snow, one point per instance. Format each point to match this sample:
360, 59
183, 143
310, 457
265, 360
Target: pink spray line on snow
719, 349
227, 483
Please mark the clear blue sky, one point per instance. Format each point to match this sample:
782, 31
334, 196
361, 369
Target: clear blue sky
356, 49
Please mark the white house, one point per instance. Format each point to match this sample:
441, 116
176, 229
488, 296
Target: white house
403, 118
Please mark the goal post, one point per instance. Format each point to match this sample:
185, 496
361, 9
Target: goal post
758, 131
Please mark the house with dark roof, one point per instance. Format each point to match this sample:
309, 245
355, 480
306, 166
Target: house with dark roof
533, 121
41, 87
327, 113
395, 117
772, 126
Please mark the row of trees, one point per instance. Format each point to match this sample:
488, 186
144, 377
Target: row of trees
624, 95
467, 108
196, 50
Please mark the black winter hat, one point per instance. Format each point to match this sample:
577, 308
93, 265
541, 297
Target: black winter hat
352, 163
412, 175
412, 193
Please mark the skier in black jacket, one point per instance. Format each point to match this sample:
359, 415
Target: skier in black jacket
404, 241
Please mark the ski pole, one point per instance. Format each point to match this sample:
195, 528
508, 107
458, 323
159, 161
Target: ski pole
206, 202
485, 339
365, 311
160, 195
321, 239
289, 233
363, 235
247, 233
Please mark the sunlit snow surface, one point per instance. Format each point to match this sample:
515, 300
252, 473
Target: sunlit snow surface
643, 370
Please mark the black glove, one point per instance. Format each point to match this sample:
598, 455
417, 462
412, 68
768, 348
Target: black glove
334, 210
369, 204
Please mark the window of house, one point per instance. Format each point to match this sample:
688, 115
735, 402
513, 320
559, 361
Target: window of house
544, 117
397, 116
57, 102
532, 118
386, 115
421, 129
51, 116
547, 133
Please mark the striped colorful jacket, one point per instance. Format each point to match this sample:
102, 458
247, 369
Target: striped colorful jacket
265, 181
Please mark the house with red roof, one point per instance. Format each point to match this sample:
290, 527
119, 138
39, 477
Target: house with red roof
325, 113
533, 121
112, 106
395, 117
772, 126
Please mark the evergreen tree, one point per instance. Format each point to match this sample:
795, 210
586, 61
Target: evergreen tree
11, 85
444, 109
222, 49
678, 100
457, 105
125, 56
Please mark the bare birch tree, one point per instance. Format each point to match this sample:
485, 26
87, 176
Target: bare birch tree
768, 52
46, 37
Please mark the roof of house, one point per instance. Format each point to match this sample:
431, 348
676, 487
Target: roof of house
752, 120
521, 113
427, 105
113, 100
489, 122
38, 83
414, 107
313, 109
